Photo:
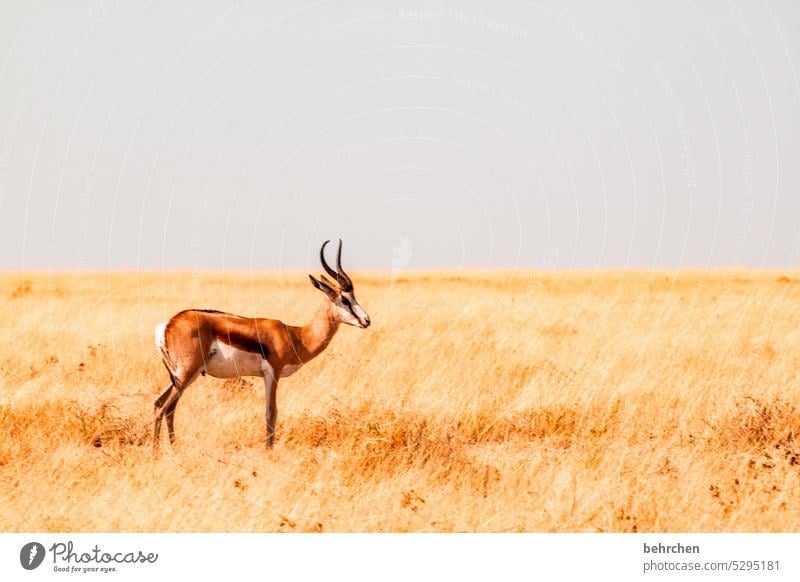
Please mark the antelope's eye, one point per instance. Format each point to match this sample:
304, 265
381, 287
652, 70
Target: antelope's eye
345, 302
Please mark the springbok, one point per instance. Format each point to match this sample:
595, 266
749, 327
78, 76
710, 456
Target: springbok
200, 341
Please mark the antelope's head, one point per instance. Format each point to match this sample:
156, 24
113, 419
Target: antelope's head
340, 294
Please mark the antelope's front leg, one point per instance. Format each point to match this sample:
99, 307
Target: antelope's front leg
271, 406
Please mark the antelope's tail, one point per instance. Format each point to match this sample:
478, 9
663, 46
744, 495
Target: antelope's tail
161, 344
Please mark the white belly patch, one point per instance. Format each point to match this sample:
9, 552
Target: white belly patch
225, 361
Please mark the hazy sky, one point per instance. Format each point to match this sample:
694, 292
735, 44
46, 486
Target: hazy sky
450, 134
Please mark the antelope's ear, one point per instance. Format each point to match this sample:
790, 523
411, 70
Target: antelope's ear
331, 294
327, 281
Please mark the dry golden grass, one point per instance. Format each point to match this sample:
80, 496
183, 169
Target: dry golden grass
511, 401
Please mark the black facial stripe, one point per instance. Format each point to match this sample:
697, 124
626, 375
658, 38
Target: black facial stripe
349, 304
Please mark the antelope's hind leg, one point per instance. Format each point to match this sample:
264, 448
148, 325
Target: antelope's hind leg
169, 414
271, 405
166, 404
160, 403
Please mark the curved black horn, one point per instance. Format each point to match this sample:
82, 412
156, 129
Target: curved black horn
342, 279
325, 265
348, 284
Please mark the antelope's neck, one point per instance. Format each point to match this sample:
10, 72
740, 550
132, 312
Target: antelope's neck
316, 336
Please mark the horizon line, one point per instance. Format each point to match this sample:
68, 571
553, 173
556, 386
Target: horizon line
400, 272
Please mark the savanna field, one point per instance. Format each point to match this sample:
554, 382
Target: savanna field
480, 402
